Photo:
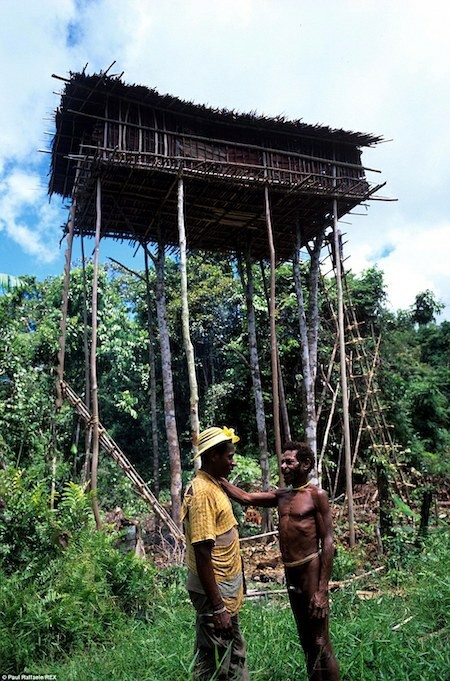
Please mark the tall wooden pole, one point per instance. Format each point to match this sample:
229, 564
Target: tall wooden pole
309, 392
273, 334
94, 387
152, 362
87, 372
188, 347
343, 366
64, 306
167, 381
283, 405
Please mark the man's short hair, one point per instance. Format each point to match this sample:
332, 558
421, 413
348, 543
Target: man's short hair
303, 450
220, 449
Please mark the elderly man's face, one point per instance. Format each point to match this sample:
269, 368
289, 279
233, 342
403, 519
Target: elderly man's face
290, 467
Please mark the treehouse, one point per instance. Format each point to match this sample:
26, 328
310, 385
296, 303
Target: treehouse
154, 169
138, 142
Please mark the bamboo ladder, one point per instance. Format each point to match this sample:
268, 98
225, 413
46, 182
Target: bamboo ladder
119, 457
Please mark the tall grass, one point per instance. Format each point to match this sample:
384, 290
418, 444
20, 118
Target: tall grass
367, 644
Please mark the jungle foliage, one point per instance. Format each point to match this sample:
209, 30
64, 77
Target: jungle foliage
67, 595
413, 367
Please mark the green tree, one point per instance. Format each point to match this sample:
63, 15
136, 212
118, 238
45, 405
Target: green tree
426, 307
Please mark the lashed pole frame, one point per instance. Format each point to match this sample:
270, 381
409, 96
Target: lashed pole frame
343, 368
273, 334
94, 386
188, 347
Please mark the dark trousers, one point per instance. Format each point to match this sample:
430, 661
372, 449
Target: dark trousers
217, 658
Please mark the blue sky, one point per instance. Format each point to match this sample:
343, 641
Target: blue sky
374, 66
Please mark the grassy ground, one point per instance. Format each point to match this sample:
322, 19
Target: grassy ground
369, 644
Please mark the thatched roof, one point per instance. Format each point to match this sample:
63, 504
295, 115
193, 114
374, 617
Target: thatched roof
138, 142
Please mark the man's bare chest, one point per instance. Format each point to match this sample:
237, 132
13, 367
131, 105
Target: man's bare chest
295, 507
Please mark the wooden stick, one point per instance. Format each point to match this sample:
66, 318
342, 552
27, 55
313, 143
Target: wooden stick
331, 585
258, 536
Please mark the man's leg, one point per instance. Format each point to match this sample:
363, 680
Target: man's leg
299, 607
313, 633
217, 657
238, 670
325, 663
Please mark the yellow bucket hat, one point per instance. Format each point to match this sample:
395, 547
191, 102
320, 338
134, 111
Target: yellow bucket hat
214, 436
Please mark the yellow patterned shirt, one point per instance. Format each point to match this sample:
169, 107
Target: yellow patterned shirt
208, 516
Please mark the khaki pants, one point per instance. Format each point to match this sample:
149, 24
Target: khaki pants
217, 658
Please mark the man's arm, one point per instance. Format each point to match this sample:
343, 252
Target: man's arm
221, 617
265, 499
318, 606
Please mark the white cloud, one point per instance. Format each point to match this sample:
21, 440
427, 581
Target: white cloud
376, 66
27, 218
416, 260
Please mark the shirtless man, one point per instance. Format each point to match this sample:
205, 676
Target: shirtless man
307, 549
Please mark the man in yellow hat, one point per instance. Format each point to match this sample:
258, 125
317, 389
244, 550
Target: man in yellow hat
214, 582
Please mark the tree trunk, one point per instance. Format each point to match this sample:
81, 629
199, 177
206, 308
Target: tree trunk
188, 347
167, 379
313, 306
424, 516
282, 394
248, 286
152, 364
384, 500
309, 396
95, 431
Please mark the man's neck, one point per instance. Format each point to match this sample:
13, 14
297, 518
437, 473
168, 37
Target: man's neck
301, 483
210, 473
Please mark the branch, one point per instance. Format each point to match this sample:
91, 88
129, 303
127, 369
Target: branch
124, 267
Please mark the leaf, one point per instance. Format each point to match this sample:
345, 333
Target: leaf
402, 507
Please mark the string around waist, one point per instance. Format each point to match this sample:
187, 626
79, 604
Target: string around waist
302, 561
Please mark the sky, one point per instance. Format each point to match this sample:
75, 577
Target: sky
373, 66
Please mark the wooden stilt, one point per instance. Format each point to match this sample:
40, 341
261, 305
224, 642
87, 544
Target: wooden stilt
64, 305
94, 386
283, 405
309, 410
188, 347
260, 416
273, 334
343, 367
87, 375
167, 380
152, 363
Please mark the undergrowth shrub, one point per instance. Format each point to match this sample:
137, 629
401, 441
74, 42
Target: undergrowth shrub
32, 533
72, 598
345, 562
